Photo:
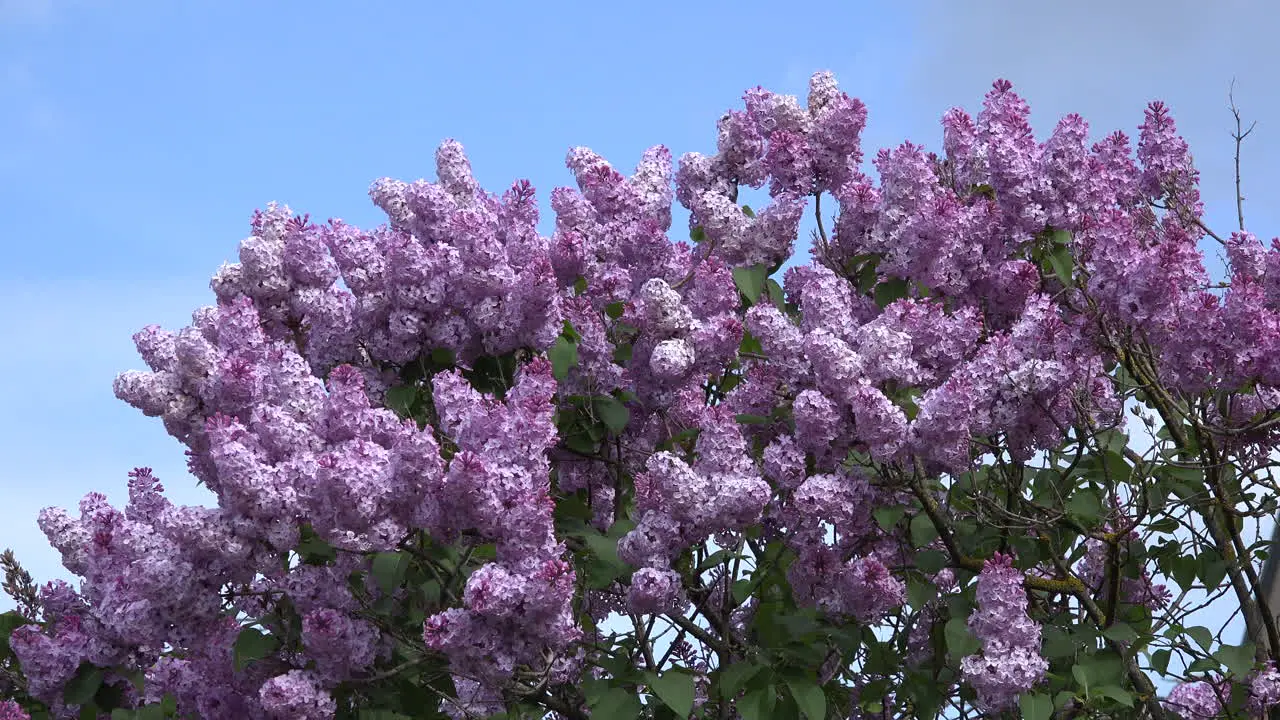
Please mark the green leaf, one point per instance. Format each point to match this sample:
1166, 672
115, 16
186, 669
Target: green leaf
1213, 568
887, 517
1160, 660
1057, 643
1120, 695
919, 592
1085, 506
960, 641
252, 644
400, 399
1082, 677
1062, 264
809, 697
931, 561
776, 294
615, 309
608, 566
922, 530
615, 702
1202, 635
697, 234
1036, 706
733, 678
150, 712
622, 354
1120, 632
746, 419
674, 688
388, 569
83, 685
312, 549
563, 355
1238, 659
746, 210
758, 704
750, 281
887, 291
611, 412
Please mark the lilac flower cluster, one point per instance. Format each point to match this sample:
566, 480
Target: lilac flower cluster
1198, 700
1010, 663
978, 294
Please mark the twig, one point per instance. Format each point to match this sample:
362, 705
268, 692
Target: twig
1239, 137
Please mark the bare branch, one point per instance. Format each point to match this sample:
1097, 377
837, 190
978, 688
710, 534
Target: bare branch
1239, 137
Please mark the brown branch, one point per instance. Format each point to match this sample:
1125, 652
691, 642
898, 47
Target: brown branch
1239, 137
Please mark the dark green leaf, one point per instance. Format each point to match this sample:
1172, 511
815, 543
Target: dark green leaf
776, 294
563, 355
746, 419
750, 281
615, 309
252, 644
746, 210
675, 688
758, 704
887, 517
1202, 635
611, 412
697, 234
1085, 506
1120, 695
960, 640
1062, 264
622, 354
615, 702
922, 530
931, 561
82, 686
1120, 632
887, 291
1057, 643
733, 678
1160, 660
400, 399
1036, 706
1213, 568
920, 592
1237, 659
809, 697
388, 570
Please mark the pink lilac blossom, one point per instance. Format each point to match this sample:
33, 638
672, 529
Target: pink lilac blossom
1264, 690
1198, 700
280, 392
1010, 662
296, 696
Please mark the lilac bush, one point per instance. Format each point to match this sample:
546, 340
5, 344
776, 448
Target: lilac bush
466, 470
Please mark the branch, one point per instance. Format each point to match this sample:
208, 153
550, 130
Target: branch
1239, 138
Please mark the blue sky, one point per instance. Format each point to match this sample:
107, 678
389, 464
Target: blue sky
139, 136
